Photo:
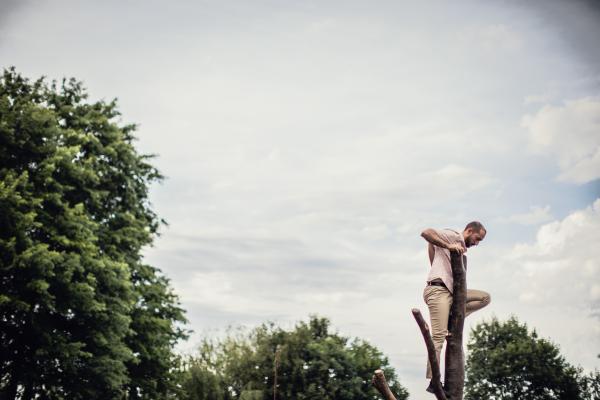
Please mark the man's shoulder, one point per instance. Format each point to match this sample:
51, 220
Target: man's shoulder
451, 234
448, 231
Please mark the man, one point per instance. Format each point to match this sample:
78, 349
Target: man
438, 292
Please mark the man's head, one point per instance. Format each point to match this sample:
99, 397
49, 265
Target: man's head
474, 233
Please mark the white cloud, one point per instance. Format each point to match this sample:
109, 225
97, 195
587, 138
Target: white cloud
500, 36
570, 132
573, 239
536, 215
584, 170
492, 37
536, 99
555, 282
452, 180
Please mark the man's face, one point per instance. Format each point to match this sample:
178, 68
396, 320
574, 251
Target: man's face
472, 238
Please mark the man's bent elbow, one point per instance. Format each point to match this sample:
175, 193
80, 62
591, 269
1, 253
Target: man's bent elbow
487, 299
426, 233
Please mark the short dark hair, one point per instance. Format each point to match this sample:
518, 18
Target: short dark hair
476, 226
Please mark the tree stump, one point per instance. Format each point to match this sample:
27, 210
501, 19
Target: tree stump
382, 386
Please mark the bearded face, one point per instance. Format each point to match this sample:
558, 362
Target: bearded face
472, 238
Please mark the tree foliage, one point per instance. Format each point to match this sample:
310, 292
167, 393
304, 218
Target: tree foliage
590, 385
312, 363
81, 315
507, 361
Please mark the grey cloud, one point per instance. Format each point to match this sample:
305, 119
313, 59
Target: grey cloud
205, 318
576, 21
280, 262
8, 9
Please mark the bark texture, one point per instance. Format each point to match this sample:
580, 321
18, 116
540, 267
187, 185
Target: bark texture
454, 375
438, 390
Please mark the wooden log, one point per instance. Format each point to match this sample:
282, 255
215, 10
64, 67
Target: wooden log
454, 377
438, 390
382, 386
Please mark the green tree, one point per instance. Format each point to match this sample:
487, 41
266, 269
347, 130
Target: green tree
590, 385
81, 315
507, 361
312, 363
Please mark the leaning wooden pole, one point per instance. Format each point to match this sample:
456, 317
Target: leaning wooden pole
454, 377
379, 378
438, 390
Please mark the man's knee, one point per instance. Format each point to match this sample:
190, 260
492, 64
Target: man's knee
439, 338
486, 299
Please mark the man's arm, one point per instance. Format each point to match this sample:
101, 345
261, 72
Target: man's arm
434, 238
431, 252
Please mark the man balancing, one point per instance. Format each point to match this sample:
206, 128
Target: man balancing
438, 292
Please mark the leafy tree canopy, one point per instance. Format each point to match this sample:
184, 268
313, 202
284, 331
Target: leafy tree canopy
309, 362
81, 315
508, 361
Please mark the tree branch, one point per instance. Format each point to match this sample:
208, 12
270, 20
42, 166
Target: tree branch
438, 390
381, 385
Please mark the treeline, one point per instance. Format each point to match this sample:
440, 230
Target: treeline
506, 361
307, 362
83, 317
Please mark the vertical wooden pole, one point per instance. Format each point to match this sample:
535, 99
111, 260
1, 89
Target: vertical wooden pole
454, 380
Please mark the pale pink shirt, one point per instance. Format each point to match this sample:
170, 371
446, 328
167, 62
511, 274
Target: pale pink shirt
441, 267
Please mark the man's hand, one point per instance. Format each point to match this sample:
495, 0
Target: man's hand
457, 247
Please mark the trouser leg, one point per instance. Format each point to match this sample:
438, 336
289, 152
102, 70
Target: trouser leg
439, 301
476, 300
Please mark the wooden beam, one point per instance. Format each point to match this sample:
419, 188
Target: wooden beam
438, 390
454, 376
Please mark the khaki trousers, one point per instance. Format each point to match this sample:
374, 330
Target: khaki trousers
439, 301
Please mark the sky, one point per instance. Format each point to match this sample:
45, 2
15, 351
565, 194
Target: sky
306, 145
